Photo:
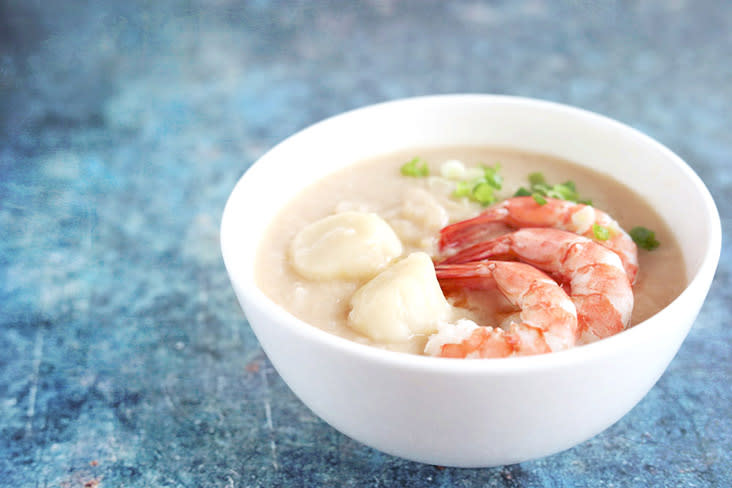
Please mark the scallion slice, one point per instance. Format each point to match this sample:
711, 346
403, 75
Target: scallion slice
601, 233
416, 167
644, 238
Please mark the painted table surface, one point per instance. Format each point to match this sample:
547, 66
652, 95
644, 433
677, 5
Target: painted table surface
124, 357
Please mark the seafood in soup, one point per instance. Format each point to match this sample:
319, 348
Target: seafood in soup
449, 254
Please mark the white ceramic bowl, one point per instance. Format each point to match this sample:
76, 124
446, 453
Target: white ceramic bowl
471, 413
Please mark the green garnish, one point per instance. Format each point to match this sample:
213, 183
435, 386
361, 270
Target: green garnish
540, 188
463, 189
570, 184
565, 191
483, 188
536, 179
490, 173
644, 238
483, 193
417, 168
601, 233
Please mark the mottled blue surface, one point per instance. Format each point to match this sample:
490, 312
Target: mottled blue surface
124, 357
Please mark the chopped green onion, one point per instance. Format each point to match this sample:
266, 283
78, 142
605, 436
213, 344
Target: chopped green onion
644, 238
538, 198
536, 179
490, 173
452, 169
601, 233
565, 191
570, 184
483, 193
417, 168
462, 189
482, 187
562, 191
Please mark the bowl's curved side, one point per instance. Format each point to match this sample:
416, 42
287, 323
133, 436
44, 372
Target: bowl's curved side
468, 418
470, 413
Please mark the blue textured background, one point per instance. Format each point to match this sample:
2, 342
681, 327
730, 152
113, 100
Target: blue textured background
124, 358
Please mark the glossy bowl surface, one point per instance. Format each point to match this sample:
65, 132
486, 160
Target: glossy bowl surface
480, 412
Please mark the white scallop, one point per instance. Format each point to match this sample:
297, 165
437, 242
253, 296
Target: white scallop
402, 301
349, 245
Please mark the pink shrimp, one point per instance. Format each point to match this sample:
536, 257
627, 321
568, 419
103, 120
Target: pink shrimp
593, 275
547, 317
521, 212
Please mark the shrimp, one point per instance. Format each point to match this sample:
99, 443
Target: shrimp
547, 317
521, 212
593, 275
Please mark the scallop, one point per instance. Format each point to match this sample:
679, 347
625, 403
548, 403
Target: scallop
347, 245
402, 301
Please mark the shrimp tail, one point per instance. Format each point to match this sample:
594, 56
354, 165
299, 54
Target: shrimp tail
495, 249
467, 232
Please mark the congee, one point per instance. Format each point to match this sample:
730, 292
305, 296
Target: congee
385, 253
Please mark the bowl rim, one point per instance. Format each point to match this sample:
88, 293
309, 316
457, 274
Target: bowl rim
640, 332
